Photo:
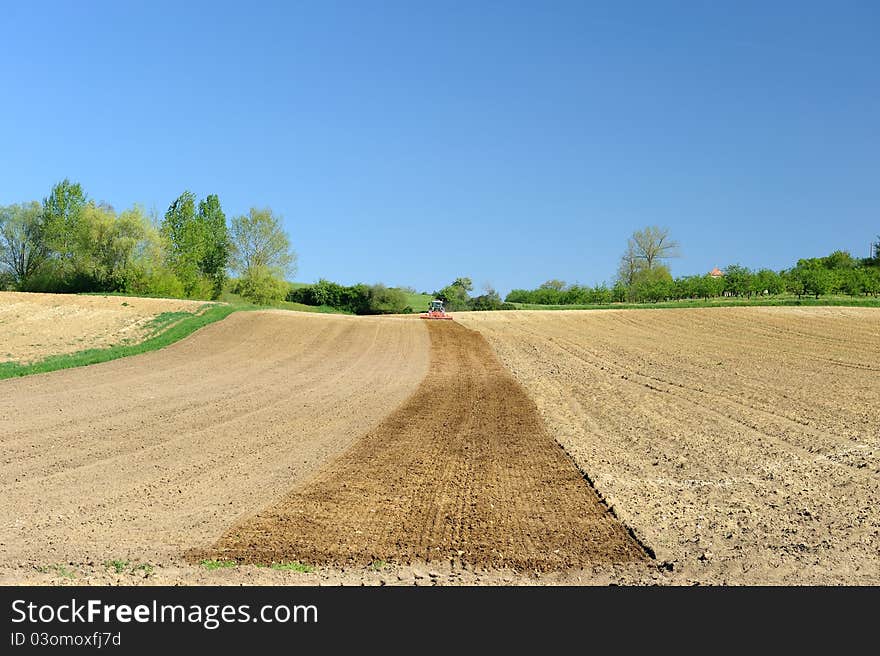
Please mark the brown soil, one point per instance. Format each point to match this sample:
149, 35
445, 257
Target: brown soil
33, 326
391, 574
462, 473
741, 444
141, 458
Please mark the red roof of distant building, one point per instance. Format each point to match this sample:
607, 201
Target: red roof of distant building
716, 273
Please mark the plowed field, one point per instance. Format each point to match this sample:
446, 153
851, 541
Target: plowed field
742, 444
144, 457
462, 472
33, 326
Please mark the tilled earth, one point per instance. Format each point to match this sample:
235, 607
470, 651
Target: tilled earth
741, 444
139, 459
463, 472
33, 326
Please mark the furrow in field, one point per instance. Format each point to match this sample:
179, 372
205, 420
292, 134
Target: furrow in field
742, 444
464, 471
145, 456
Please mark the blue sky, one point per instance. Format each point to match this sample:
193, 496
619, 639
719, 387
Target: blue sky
512, 142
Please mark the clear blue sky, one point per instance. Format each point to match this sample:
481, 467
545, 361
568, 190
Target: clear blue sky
414, 142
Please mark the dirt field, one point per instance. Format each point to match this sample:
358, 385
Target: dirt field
142, 458
463, 473
742, 444
33, 326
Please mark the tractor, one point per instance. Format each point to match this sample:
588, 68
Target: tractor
435, 311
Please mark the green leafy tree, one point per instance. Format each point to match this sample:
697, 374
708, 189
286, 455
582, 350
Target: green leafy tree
618, 292
558, 285
186, 242
149, 272
839, 260
22, 245
100, 254
545, 296
871, 281
464, 283
574, 294
711, 286
260, 285
600, 294
357, 299
258, 240
490, 300
260, 249
455, 296
386, 300
517, 296
688, 287
819, 282
328, 293
853, 282
198, 245
112, 244
130, 230
812, 277
767, 280
738, 280
70, 246
104, 247
215, 250
652, 285
793, 282
701, 286
360, 298
62, 212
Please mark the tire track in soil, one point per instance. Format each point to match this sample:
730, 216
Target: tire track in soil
463, 471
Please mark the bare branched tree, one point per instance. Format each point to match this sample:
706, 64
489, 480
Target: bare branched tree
558, 285
653, 244
630, 265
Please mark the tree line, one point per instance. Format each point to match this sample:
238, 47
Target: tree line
456, 296
356, 299
70, 243
379, 299
644, 276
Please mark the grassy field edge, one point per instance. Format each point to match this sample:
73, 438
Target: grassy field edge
176, 331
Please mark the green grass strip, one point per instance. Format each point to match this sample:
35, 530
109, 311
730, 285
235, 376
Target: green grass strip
211, 564
179, 325
294, 566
